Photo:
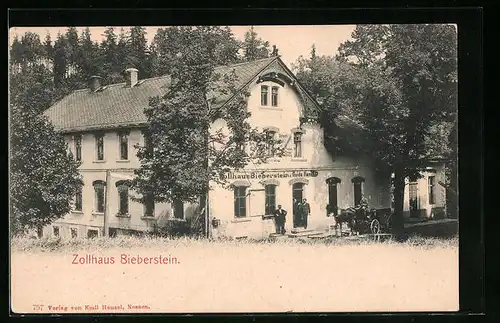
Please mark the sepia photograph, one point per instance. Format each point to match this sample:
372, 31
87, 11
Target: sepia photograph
233, 169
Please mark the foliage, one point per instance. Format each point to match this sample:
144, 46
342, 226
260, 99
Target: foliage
393, 89
168, 42
43, 175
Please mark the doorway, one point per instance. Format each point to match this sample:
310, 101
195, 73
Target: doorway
297, 195
413, 200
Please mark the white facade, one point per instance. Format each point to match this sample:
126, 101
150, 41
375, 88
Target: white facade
426, 197
309, 172
312, 169
93, 170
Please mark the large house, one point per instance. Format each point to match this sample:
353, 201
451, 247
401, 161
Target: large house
101, 125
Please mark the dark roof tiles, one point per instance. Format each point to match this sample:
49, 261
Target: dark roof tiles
119, 106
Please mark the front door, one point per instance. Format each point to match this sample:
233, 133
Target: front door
413, 200
297, 195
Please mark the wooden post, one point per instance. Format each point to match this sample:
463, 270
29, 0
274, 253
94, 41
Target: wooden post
106, 206
207, 217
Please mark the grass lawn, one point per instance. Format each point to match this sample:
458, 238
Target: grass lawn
234, 276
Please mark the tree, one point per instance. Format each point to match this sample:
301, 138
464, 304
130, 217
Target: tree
181, 155
112, 65
43, 175
136, 51
254, 47
89, 59
48, 49
392, 95
168, 42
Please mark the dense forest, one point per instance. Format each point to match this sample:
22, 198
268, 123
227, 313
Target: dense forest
61, 65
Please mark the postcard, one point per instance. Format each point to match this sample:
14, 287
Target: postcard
233, 169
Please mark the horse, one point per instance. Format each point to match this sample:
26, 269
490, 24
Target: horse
345, 216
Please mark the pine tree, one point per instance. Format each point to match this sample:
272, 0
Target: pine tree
43, 176
254, 47
136, 51
89, 59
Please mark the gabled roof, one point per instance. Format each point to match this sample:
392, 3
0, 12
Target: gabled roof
120, 106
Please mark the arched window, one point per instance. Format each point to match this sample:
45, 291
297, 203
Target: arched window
270, 190
78, 200
178, 209
99, 196
297, 144
122, 187
99, 144
149, 205
358, 188
78, 147
270, 136
332, 183
240, 201
123, 146
298, 191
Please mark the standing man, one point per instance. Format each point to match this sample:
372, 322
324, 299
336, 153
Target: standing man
296, 215
280, 218
306, 210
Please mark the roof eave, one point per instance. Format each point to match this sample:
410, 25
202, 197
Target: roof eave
102, 127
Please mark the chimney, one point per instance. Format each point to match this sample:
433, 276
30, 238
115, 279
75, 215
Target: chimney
95, 83
132, 76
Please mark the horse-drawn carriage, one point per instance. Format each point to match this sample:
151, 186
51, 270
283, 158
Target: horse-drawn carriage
363, 221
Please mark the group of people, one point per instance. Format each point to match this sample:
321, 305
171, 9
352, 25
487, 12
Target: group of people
301, 211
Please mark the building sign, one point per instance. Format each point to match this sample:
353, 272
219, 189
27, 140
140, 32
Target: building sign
268, 175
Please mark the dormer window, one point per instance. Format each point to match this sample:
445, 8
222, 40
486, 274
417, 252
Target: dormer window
264, 91
274, 96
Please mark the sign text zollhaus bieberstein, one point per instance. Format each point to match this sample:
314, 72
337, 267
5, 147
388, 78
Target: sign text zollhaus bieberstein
268, 174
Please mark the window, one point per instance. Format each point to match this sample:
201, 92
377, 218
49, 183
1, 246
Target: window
333, 195
149, 205
263, 95
240, 198
413, 200
358, 189
92, 233
112, 232
55, 230
270, 206
78, 147
178, 209
270, 145
123, 139
122, 187
297, 144
431, 182
274, 96
78, 200
74, 233
99, 196
99, 143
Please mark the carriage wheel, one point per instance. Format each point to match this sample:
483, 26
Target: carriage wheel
375, 226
